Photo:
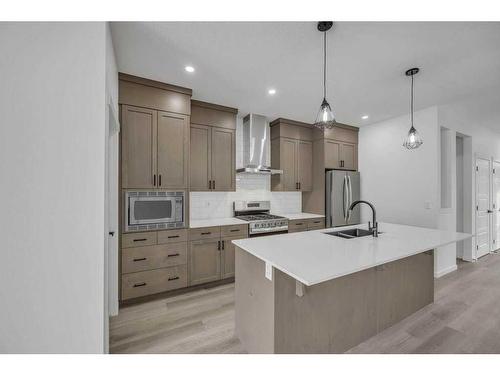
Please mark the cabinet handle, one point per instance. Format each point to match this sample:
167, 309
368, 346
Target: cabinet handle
159, 180
218, 245
140, 239
139, 284
234, 230
213, 184
139, 259
300, 185
223, 245
172, 255
299, 223
154, 180
173, 236
173, 278
204, 233
209, 184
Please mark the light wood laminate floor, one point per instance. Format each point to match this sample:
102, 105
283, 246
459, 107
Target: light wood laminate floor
465, 318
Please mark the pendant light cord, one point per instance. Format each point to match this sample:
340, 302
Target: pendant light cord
324, 65
411, 102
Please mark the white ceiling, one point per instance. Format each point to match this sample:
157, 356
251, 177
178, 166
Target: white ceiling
236, 63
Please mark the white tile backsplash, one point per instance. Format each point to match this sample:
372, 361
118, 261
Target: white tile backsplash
210, 205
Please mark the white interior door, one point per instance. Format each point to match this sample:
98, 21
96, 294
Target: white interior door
496, 205
483, 207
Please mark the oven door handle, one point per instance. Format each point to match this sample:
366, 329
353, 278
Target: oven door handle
274, 229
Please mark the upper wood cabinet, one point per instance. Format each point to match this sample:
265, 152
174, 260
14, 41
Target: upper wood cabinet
155, 134
155, 149
213, 150
138, 149
292, 152
341, 147
172, 150
341, 155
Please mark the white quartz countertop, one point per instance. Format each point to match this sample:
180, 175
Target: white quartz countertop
215, 222
301, 216
313, 257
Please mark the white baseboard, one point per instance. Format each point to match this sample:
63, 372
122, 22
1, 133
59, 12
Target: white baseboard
445, 271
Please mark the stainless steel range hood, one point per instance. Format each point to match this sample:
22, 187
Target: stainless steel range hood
256, 146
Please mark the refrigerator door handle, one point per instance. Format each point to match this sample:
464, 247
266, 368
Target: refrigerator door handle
349, 201
344, 196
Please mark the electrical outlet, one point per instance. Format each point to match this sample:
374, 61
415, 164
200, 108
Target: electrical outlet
428, 205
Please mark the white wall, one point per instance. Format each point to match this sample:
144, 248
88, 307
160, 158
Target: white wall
402, 184
405, 186
475, 117
206, 205
52, 163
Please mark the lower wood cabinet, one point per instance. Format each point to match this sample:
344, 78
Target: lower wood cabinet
153, 262
302, 225
204, 261
212, 258
145, 258
139, 284
227, 261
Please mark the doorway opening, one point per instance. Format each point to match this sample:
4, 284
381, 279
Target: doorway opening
464, 201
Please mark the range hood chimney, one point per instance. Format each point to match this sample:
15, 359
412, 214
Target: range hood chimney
256, 146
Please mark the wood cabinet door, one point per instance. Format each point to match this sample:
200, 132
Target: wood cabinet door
204, 261
288, 163
223, 159
305, 165
227, 261
200, 157
332, 155
138, 151
348, 156
172, 150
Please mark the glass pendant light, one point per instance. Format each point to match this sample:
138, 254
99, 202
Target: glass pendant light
413, 139
325, 117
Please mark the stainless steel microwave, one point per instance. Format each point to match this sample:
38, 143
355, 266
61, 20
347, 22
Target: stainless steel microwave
153, 210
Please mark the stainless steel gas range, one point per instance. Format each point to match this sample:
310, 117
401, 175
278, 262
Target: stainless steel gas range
260, 221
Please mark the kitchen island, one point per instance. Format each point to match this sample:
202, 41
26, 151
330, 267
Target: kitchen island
311, 292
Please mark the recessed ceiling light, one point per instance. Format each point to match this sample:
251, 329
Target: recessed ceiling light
189, 69
364, 117
271, 91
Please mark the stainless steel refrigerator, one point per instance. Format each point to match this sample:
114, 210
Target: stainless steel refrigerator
342, 188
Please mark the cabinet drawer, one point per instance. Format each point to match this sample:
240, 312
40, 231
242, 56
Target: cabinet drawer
204, 233
314, 224
138, 239
297, 225
140, 284
234, 230
144, 258
170, 236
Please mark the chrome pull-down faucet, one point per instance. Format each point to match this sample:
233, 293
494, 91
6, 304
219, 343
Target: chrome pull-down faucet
373, 229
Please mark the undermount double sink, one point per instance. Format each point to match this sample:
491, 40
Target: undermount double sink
351, 233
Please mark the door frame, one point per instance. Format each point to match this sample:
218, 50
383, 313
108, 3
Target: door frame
479, 156
494, 171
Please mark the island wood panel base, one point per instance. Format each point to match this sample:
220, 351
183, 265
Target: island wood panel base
330, 317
